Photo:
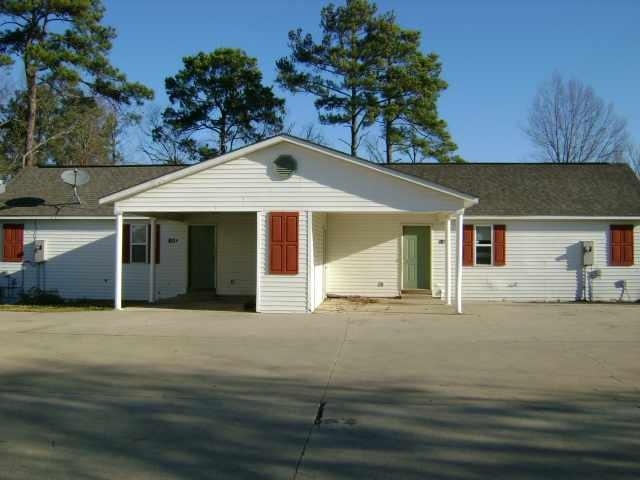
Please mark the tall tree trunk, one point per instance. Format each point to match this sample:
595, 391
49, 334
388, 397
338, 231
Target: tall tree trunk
32, 91
222, 136
354, 137
354, 124
387, 142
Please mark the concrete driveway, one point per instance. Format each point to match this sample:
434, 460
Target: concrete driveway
505, 391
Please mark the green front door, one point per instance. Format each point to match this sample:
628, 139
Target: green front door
202, 259
416, 257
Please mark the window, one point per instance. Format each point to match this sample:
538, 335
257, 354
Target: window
138, 243
484, 245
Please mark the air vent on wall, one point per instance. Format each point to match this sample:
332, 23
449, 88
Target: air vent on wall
285, 165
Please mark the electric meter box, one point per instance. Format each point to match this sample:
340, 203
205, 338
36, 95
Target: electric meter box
587, 253
40, 251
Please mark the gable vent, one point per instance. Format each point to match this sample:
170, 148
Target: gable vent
285, 166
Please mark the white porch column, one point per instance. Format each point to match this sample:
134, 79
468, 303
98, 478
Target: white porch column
260, 255
459, 233
152, 259
447, 268
310, 262
117, 298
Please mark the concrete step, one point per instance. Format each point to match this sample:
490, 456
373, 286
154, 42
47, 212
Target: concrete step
416, 291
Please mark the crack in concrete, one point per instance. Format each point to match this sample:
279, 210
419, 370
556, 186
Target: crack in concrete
323, 401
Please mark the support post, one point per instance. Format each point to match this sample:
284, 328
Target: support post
459, 234
260, 254
117, 298
152, 259
447, 269
310, 262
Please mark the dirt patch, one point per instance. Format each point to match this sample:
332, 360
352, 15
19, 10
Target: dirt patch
360, 300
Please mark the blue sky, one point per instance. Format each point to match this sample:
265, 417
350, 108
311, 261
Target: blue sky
495, 53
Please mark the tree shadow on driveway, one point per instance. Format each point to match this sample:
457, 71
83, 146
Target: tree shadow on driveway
71, 421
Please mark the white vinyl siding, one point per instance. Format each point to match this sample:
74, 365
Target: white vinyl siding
282, 293
321, 183
543, 261
81, 261
364, 252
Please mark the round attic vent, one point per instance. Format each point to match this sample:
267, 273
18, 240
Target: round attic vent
285, 165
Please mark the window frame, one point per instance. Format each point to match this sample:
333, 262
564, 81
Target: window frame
133, 226
476, 245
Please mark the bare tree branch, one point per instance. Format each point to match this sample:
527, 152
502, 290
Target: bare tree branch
42, 143
632, 157
568, 123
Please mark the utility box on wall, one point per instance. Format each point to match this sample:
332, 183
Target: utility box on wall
587, 253
40, 251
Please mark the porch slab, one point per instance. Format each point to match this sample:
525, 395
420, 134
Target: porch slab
412, 303
208, 301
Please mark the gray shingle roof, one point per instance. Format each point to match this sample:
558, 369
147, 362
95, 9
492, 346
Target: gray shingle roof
592, 189
503, 189
41, 192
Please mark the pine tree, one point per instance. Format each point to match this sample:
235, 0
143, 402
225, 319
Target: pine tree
62, 41
220, 96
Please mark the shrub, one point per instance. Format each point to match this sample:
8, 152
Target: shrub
37, 296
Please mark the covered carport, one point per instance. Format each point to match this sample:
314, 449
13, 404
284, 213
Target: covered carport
209, 258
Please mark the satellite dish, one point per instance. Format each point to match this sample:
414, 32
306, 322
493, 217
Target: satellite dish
76, 178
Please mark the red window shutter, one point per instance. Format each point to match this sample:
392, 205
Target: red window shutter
291, 243
467, 245
157, 234
126, 243
499, 245
283, 243
621, 245
13, 246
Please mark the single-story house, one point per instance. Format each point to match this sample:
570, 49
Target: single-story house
291, 222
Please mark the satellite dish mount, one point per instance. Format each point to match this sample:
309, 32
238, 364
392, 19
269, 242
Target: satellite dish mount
76, 178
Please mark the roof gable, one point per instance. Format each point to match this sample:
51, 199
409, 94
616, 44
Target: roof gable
320, 182
467, 199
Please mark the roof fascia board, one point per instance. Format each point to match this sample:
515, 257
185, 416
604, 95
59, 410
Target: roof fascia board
551, 217
66, 217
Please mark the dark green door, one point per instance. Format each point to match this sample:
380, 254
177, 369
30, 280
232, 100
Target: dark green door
202, 257
416, 257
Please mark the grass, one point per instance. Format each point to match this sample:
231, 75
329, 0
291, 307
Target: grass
63, 307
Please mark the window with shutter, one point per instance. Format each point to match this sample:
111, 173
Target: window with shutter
621, 245
13, 242
467, 245
283, 243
